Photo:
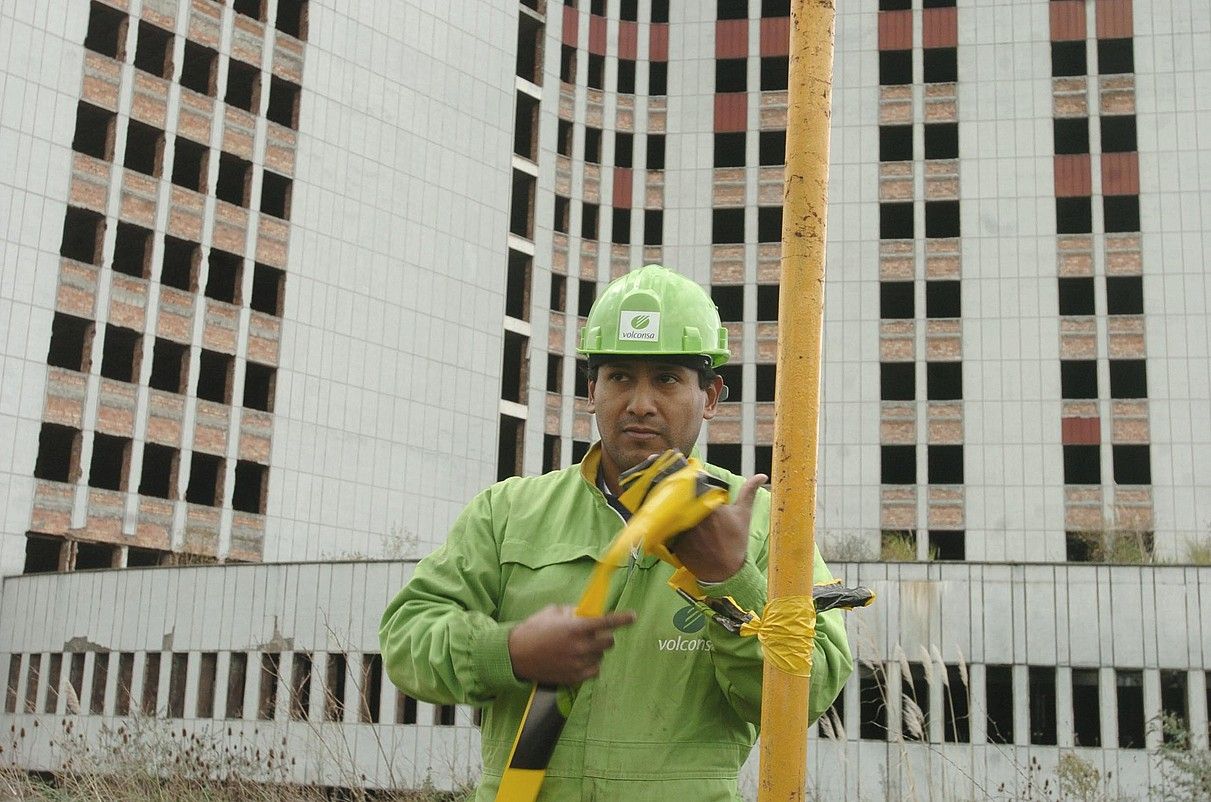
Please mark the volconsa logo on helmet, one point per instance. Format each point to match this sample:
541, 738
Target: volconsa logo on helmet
639, 326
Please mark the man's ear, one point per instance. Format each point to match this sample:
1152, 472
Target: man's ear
714, 394
592, 405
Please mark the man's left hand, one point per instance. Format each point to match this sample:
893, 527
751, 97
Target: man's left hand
715, 549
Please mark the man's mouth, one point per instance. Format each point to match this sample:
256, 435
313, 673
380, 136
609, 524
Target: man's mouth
640, 432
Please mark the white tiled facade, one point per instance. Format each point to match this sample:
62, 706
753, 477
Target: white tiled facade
437, 247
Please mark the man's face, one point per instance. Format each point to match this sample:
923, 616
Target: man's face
644, 408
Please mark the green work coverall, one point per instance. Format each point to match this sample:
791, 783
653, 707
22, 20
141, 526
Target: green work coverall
674, 712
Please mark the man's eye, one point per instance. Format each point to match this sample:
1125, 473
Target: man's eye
618, 376
669, 378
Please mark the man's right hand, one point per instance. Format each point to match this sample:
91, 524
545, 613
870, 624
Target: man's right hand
557, 647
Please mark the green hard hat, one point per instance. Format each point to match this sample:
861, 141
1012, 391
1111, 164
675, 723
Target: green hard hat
653, 311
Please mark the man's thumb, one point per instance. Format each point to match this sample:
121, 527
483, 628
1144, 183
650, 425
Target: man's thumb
748, 491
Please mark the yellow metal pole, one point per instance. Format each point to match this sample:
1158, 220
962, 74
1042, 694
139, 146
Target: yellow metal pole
783, 769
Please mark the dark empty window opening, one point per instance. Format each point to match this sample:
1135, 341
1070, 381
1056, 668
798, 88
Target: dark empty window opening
562, 214
895, 67
95, 555
525, 127
42, 556
250, 8
596, 75
179, 267
942, 141
153, 53
559, 292
248, 495
189, 164
941, 219
655, 157
771, 148
143, 558
769, 224
727, 226
554, 373
895, 5
1068, 58
1071, 135
915, 697
1081, 547
1114, 56
509, 448
941, 65
1128, 378
94, 131
895, 221
207, 672
70, 342
205, 480
589, 216
144, 148
1121, 213
732, 9
897, 381
733, 380
528, 64
626, 76
283, 107
1073, 215
563, 138
945, 465
1042, 705
82, 233
597, 7
1125, 295
1076, 296
1078, 378
443, 715
872, 704
943, 381
628, 10
268, 288
235, 176
132, 250
942, 299
729, 298
774, 73
517, 285
120, 354
1086, 708
624, 149
1118, 133
620, 227
775, 8
214, 376
898, 465
658, 78
159, 474
955, 706
96, 702
653, 226
948, 545
151, 683
1082, 465
199, 68
106, 31
169, 366
567, 64
224, 276
237, 679
729, 149
110, 464
58, 453
725, 455
767, 302
1174, 701
1132, 464
585, 296
895, 143
514, 372
405, 709
896, 300
592, 144
551, 452
292, 18
763, 460
335, 671
998, 682
267, 698
259, 383
275, 195
767, 380
243, 86
1129, 690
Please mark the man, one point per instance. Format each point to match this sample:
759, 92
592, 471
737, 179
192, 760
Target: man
666, 702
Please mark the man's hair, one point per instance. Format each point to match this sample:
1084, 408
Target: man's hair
699, 364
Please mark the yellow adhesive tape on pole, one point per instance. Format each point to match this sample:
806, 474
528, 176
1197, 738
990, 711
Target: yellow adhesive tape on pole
787, 631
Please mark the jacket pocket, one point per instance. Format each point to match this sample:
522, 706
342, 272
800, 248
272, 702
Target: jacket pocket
534, 575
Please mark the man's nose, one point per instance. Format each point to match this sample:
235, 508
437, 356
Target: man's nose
642, 400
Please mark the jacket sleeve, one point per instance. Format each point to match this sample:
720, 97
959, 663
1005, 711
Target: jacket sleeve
738, 661
439, 638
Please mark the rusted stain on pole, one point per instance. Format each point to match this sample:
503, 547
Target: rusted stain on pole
783, 769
